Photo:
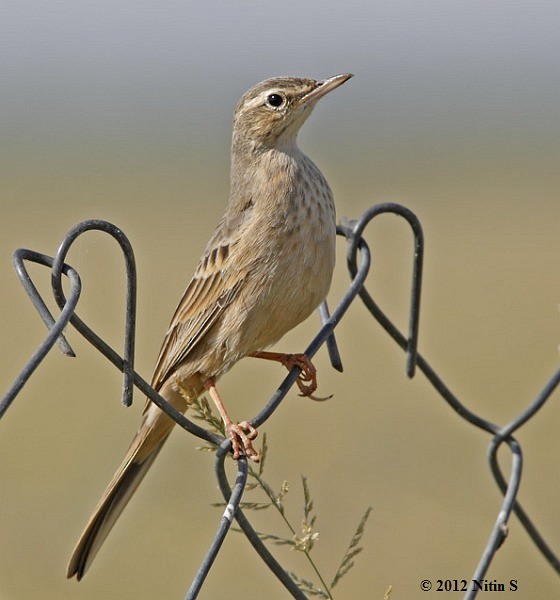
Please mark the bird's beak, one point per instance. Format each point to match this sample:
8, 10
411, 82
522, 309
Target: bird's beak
324, 87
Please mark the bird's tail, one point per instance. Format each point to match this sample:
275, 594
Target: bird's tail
155, 429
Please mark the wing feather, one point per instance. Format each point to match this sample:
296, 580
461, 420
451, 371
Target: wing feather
211, 290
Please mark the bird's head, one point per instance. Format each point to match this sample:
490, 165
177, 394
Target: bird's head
271, 113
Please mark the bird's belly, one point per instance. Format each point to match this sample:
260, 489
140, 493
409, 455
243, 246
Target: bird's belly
286, 295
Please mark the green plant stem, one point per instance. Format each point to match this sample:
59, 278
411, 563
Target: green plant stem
311, 561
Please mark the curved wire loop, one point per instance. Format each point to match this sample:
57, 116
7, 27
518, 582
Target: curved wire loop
358, 271
55, 327
125, 365
353, 232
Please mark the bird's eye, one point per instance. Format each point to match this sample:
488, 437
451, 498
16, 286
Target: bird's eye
275, 100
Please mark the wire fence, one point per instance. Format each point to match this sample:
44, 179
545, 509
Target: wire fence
358, 262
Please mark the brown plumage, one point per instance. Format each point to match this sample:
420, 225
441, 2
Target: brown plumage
267, 266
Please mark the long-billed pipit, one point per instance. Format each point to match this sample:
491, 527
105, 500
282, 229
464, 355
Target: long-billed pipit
266, 268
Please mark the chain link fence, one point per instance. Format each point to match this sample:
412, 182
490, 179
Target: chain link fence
358, 262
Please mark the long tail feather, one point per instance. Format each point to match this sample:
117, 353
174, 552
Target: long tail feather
145, 447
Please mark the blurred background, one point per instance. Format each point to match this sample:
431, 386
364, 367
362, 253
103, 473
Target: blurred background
122, 111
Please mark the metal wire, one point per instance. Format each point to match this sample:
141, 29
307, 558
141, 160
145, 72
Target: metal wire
358, 260
233, 498
55, 327
127, 364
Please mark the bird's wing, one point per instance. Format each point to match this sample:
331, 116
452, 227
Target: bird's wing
213, 287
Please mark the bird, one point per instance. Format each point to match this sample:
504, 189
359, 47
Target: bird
265, 269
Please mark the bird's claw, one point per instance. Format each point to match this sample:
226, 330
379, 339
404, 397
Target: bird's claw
241, 435
307, 380
317, 398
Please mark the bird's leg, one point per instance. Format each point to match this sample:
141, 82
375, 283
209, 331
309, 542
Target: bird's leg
241, 434
307, 380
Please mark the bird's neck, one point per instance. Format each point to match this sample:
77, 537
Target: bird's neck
254, 163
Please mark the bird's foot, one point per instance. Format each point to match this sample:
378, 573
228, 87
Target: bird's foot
241, 435
307, 380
